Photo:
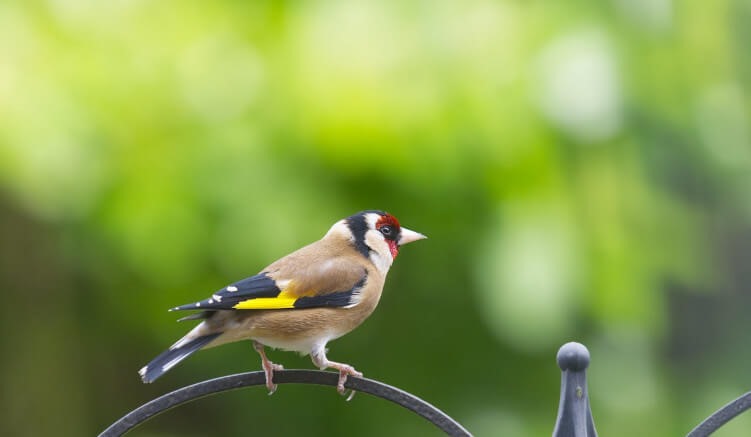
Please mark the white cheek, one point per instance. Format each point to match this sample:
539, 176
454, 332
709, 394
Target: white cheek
380, 253
382, 263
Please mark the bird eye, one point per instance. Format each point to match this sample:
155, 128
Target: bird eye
386, 230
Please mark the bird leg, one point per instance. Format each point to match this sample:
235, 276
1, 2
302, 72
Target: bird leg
319, 359
268, 367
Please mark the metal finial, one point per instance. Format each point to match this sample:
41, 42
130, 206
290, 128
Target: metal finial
573, 356
574, 416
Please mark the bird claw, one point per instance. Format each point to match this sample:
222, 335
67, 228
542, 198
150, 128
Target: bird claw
319, 359
268, 367
350, 396
270, 376
344, 372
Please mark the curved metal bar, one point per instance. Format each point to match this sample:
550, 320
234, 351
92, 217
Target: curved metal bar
722, 416
240, 380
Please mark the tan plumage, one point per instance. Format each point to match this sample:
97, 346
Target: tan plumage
302, 301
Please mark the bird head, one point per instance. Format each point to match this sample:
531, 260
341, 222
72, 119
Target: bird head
376, 235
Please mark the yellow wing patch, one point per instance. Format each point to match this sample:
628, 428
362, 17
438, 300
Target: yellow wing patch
282, 301
266, 303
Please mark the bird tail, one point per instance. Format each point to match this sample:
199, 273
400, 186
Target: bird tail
172, 356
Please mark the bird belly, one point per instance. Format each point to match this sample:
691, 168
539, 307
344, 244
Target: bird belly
301, 330
302, 345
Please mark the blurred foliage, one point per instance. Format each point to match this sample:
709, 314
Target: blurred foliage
581, 167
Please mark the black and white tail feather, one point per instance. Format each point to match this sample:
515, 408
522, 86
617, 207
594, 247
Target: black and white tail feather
172, 356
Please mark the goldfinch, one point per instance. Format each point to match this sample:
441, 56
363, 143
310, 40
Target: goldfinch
300, 302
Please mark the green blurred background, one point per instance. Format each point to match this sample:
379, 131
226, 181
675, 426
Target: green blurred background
582, 168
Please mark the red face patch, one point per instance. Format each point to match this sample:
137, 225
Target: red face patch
394, 248
388, 225
388, 219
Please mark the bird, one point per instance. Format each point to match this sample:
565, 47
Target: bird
300, 302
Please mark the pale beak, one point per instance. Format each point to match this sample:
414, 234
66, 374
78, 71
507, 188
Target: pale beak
408, 236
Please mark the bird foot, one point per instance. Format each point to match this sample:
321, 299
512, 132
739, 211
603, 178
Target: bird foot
268, 367
269, 371
318, 355
344, 371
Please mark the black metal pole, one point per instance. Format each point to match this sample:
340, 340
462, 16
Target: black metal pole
233, 382
574, 415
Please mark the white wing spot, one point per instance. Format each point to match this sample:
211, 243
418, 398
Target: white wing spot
211, 301
198, 304
355, 299
217, 297
231, 288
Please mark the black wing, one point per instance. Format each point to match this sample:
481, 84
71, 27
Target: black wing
260, 285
